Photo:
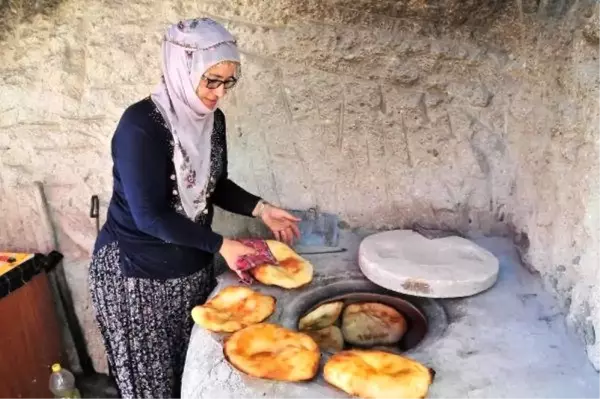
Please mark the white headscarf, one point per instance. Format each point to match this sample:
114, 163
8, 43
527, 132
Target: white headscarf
189, 48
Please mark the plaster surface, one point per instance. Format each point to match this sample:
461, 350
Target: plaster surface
509, 341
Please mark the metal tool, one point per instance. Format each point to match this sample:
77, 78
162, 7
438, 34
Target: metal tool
58, 279
319, 232
95, 212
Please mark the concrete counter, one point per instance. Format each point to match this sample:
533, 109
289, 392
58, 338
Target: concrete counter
509, 341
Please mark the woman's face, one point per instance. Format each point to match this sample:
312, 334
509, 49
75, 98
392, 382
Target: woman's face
224, 72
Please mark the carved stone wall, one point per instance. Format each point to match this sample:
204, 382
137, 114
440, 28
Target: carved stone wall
477, 116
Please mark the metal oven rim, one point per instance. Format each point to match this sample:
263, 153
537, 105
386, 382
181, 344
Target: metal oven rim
426, 316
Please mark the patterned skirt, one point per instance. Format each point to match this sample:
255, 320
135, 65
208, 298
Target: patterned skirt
145, 324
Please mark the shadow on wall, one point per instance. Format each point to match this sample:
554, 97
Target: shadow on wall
432, 16
14, 12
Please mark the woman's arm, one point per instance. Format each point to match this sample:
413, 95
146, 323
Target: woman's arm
231, 197
142, 167
228, 195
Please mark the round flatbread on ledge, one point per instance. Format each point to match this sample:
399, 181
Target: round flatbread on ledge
272, 352
293, 270
378, 374
323, 316
368, 324
232, 309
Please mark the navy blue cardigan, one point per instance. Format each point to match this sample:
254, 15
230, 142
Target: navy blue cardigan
144, 216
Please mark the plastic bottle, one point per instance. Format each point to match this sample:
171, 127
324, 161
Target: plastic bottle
62, 383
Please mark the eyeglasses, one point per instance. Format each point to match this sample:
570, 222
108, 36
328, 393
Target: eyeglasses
215, 83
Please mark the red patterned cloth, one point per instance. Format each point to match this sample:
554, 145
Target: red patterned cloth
263, 255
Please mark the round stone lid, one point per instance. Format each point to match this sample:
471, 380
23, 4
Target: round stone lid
409, 263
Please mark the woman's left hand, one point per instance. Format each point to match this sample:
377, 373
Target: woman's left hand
283, 224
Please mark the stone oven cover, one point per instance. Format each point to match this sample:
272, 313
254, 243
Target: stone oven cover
410, 263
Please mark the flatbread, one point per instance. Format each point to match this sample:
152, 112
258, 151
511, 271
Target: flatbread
293, 271
272, 352
329, 339
323, 316
232, 309
370, 323
378, 374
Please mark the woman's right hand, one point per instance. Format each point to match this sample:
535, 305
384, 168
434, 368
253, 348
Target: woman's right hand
232, 250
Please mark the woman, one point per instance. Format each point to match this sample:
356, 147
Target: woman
153, 260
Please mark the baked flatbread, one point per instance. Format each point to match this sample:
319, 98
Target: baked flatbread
368, 324
272, 352
323, 316
233, 309
329, 339
293, 271
378, 374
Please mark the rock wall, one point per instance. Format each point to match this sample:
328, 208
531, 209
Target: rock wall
476, 116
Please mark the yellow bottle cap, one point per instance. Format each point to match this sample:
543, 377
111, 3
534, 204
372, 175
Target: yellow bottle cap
56, 367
